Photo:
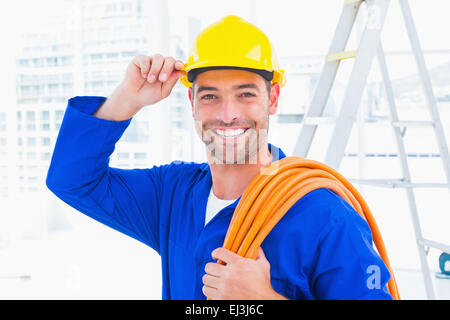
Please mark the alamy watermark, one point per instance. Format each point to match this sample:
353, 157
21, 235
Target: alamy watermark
374, 278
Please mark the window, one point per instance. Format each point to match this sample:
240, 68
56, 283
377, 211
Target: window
123, 155
2, 121
23, 62
58, 118
59, 115
111, 8
38, 62
51, 77
52, 61
97, 85
140, 155
67, 87
86, 60
53, 88
125, 6
138, 131
25, 90
31, 155
45, 115
24, 78
66, 61
129, 53
45, 156
96, 58
178, 124
112, 55
67, 76
38, 89
31, 142
30, 115
45, 141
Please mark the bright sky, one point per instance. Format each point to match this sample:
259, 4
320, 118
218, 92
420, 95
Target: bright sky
300, 27
292, 25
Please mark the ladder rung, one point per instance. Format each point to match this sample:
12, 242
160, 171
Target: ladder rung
434, 244
314, 121
412, 123
347, 2
399, 183
341, 55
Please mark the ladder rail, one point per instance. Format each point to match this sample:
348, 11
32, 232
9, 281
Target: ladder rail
370, 39
405, 171
427, 86
327, 76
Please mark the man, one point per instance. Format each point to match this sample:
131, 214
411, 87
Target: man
321, 248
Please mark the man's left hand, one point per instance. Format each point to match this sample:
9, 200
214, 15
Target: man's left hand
239, 279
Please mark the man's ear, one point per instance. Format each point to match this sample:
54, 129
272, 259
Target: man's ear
191, 97
273, 99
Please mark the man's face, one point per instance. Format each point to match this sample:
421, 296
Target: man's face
231, 110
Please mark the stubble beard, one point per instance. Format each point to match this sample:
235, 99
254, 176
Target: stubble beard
240, 150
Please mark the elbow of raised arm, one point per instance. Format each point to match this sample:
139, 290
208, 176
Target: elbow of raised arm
53, 182
57, 181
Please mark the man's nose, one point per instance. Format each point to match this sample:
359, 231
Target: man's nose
229, 112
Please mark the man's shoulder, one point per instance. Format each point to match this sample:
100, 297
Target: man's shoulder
321, 209
324, 199
179, 169
187, 166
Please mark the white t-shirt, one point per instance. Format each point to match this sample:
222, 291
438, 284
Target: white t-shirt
214, 205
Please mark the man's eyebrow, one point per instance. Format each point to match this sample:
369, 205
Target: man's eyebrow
200, 89
246, 86
241, 86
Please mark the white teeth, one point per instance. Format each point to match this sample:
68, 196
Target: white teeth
229, 133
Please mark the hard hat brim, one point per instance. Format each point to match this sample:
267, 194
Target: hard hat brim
192, 74
277, 75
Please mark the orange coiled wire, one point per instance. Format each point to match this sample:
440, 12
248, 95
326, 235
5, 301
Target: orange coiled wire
276, 189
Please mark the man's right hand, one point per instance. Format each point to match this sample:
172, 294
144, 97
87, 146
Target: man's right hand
148, 80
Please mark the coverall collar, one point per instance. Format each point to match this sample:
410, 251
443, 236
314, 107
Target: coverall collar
203, 187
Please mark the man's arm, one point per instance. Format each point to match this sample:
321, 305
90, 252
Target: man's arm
79, 173
147, 81
347, 265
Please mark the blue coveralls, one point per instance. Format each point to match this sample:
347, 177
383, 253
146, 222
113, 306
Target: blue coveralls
321, 248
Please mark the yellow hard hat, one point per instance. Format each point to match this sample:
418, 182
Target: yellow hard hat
233, 42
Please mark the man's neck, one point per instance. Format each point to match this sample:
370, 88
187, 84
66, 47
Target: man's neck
231, 180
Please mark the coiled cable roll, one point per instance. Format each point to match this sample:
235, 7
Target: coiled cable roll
276, 189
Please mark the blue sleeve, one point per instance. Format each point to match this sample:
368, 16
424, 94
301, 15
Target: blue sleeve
347, 266
79, 174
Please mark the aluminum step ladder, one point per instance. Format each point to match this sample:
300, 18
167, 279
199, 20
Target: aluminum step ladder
369, 47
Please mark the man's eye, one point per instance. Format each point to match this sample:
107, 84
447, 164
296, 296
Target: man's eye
208, 97
248, 94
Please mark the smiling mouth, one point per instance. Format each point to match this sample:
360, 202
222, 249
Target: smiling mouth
230, 133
